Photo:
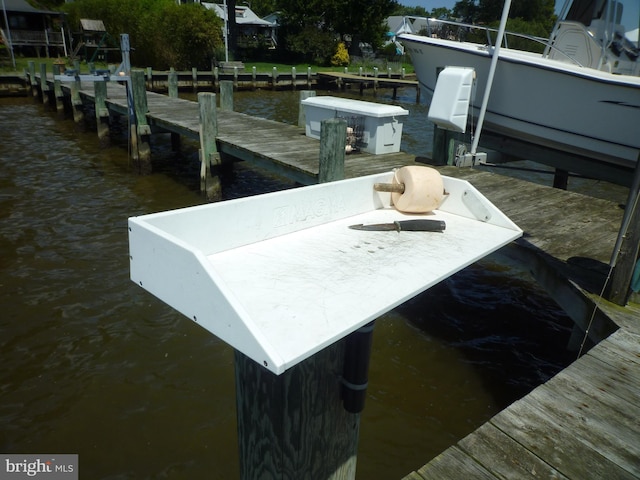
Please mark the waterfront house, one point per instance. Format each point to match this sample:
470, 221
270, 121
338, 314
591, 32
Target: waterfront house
31, 31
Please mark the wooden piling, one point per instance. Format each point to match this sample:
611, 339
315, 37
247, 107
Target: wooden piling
172, 83
209, 156
76, 101
194, 79
32, 78
172, 87
226, 95
141, 149
102, 113
150, 78
302, 118
57, 89
333, 135
293, 425
44, 86
444, 146
375, 80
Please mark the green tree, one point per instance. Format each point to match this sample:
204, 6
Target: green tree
532, 17
262, 8
310, 29
162, 34
487, 11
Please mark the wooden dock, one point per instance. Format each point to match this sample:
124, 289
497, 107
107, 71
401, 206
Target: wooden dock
375, 81
581, 424
280, 148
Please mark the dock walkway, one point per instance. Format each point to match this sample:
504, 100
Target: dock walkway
582, 423
277, 147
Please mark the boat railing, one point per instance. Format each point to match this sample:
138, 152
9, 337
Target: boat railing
460, 31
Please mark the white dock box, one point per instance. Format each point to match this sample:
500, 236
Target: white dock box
281, 276
382, 124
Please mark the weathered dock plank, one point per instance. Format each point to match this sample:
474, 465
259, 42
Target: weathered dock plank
581, 424
508, 459
556, 221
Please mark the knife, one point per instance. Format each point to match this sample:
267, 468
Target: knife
422, 225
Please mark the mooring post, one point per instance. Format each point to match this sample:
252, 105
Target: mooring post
76, 101
102, 112
150, 78
293, 78
172, 90
44, 86
194, 79
375, 80
172, 83
333, 137
141, 149
216, 77
57, 89
302, 117
444, 146
32, 78
209, 157
226, 95
254, 77
274, 77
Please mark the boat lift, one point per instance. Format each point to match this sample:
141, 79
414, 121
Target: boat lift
451, 98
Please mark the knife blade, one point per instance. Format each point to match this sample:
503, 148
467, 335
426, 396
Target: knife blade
421, 225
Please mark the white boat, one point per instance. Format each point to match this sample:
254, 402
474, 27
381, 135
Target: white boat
580, 95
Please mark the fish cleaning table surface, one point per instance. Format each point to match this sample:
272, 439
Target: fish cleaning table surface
281, 276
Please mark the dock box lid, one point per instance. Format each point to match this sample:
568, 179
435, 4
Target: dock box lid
355, 107
281, 276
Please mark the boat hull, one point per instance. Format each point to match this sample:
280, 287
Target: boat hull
585, 112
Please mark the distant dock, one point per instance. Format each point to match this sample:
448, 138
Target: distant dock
375, 81
280, 148
581, 424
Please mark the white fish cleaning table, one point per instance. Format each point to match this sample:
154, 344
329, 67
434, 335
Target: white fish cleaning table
280, 276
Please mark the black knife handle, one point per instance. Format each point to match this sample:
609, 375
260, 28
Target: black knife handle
421, 225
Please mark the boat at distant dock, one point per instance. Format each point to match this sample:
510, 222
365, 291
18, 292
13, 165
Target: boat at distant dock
580, 94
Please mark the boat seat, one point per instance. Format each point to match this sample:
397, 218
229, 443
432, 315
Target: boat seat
574, 43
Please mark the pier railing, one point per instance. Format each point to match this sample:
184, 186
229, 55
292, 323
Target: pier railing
37, 38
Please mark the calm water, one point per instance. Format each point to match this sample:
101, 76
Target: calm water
93, 365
